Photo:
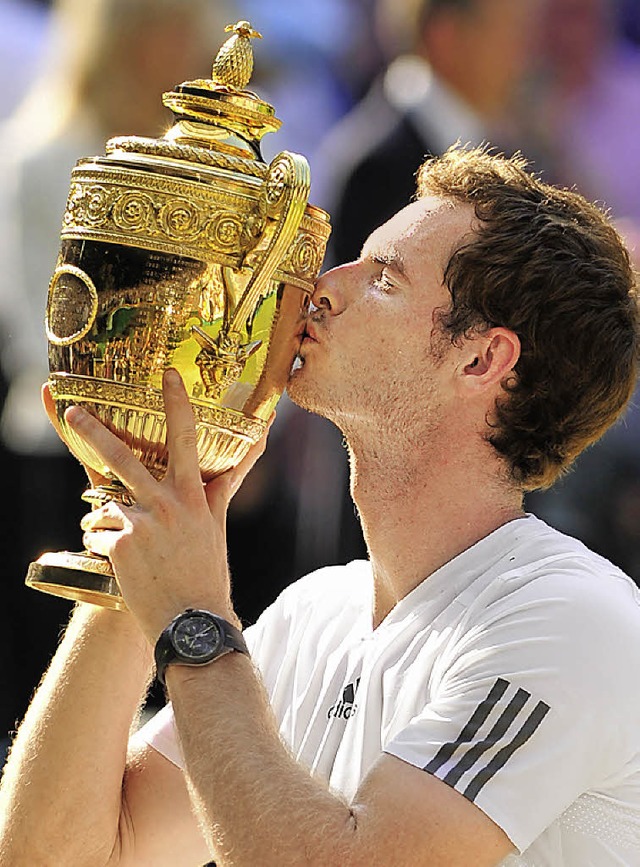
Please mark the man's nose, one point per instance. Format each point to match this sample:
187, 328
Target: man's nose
332, 289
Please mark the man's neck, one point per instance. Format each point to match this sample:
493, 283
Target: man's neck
419, 512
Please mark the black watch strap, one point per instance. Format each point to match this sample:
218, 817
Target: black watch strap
196, 637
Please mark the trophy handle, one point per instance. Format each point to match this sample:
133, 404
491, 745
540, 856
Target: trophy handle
283, 200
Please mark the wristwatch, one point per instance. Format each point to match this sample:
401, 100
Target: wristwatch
196, 637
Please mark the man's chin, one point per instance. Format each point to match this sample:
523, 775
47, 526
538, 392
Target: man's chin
301, 393
298, 394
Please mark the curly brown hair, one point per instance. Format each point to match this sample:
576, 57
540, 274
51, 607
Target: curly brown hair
548, 265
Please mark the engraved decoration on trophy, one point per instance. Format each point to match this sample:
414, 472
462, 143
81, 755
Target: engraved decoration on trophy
186, 251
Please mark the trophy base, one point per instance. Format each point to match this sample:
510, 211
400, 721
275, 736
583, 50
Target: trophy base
83, 577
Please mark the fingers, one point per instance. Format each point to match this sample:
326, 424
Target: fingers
103, 527
101, 542
233, 478
183, 465
111, 516
114, 453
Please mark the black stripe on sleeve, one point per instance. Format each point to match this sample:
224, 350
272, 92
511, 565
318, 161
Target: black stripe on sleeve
503, 756
467, 734
494, 737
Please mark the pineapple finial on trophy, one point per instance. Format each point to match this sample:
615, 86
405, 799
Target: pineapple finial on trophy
234, 63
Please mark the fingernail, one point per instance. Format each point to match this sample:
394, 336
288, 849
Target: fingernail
172, 377
75, 416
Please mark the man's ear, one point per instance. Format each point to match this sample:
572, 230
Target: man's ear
491, 357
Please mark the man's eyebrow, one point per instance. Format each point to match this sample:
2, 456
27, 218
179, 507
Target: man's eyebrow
390, 260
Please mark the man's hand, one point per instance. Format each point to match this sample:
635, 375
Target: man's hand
169, 549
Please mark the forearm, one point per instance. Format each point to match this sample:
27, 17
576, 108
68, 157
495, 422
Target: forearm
256, 804
61, 793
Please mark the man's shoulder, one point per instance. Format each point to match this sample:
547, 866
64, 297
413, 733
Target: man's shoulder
332, 586
541, 551
552, 578
530, 546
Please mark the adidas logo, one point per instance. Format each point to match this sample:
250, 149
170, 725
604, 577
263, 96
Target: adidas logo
346, 707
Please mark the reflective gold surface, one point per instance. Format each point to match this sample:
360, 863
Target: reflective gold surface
189, 252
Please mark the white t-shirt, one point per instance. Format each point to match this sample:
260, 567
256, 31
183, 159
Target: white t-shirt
512, 674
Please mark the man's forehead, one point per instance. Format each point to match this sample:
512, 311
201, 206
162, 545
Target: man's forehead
430, 222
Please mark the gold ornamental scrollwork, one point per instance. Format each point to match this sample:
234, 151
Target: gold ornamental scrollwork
226, 230
93, 202
136, 209
306, 257
276, 186
139, 209
133, 212
303, 260
181, 219
88, 389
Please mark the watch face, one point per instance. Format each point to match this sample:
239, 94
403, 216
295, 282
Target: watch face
197, 636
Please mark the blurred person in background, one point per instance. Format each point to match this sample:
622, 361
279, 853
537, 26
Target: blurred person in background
630, 19
465, 59
584, 101
107, 64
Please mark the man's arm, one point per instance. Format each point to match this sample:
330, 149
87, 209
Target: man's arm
69, 792
61, 788
258, 806
255, 803
62, 799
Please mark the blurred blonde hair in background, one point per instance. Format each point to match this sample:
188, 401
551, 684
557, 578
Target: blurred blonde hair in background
113, 58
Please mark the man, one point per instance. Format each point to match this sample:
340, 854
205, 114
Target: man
465, 695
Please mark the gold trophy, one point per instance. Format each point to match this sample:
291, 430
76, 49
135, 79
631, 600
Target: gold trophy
186, 251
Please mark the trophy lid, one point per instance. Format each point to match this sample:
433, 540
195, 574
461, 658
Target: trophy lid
222, 100
217, 114
203, 190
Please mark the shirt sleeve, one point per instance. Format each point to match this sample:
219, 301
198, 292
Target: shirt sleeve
533, 707
160, 732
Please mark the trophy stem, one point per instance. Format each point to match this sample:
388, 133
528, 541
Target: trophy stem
102, 494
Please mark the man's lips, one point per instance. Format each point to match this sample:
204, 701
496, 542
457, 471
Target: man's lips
310, 333
309, 336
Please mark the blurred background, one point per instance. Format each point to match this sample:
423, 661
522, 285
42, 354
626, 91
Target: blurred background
366, 89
